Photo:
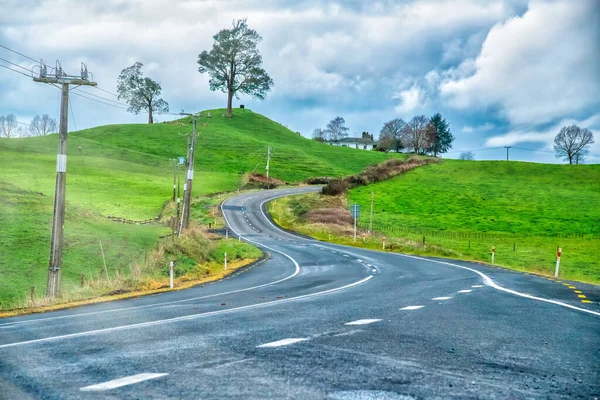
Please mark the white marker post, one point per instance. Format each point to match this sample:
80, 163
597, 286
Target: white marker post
364, 237
225, 261
493, 251
384, 243
239, 238
171, 274
558, 252
226, 233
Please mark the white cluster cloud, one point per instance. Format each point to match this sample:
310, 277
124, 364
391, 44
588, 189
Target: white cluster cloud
538, 67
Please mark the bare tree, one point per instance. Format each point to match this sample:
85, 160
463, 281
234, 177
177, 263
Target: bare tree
467, 155
41, 126
570, 141
336, 129
319, 135
581, 156
390, 136
416, 135
8, 126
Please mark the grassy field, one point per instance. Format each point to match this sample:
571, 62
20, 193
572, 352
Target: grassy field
464, 208
126, 170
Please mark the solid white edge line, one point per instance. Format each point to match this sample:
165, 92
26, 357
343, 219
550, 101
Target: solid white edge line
489, 282
282, 342
117, 383
184, 318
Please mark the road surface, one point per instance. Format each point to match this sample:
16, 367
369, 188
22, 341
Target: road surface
316, 321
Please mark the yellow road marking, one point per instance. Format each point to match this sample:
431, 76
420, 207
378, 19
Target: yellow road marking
577, 291
586, 301
572, 287
581, 296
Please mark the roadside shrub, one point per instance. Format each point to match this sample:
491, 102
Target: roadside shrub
335, 187
319, 180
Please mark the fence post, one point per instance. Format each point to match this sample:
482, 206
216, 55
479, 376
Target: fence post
384, 243
423, 240
493, 251
82, 280
171, 274
32, 293
557, 261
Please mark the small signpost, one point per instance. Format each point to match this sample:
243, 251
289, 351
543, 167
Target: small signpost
355, 211
181, 160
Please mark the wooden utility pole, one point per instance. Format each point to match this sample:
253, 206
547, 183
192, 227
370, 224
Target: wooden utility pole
268, 159
174, 178
371, 214
178, 197
507, 147
187, 186
58, 218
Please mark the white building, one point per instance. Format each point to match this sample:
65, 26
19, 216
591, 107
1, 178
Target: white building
364, 143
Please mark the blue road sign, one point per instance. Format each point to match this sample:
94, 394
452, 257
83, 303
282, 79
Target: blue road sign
355, 210
181, 160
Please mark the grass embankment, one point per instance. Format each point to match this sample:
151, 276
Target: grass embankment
125, 170
464, 208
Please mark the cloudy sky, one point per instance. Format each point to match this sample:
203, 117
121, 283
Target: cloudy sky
508, 72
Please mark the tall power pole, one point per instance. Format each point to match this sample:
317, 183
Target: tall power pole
58, 218
507, 147
268, 159
187, 186
371, 216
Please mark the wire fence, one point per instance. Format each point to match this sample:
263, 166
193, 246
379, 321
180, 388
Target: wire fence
399, 229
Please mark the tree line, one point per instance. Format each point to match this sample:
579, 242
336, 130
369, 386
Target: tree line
39, 126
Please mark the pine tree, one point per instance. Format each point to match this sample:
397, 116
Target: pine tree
442, 138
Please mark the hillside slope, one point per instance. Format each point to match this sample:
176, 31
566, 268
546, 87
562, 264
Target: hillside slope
126, 170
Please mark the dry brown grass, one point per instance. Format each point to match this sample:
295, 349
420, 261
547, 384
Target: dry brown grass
335, 216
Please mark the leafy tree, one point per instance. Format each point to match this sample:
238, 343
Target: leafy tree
415, 134
571, 141
141, 94
235, 64
41, 126
319, 135
467, 155
439, 136
390, 136
336, 129
8, 126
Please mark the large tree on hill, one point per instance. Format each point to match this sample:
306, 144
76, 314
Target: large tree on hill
42, 126
571, 141
439, 136
390, 136
415, 134
141, 94
336, 129
319, 135
234, 64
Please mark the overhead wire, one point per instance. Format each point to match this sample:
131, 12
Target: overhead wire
22, 55
100, 97
14, 70
16, 65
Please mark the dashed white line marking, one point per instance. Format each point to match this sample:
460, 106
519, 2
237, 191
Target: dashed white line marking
409, 308
346, 255
373, 270
465, 291
283, 342
477, 286
442, 298
369, 265
362, 322
359, 260
116, 383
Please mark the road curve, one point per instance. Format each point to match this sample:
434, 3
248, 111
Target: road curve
316, 320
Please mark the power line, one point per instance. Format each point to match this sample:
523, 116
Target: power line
22, 55
106, 91
100, 97
98, 101
14, 70
16, 65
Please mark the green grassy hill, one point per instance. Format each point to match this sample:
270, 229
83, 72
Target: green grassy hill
526, 210
125, 170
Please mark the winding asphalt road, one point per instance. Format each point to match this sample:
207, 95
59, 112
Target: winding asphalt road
316, 321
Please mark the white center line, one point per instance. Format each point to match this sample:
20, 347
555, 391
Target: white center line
362, 322
465, 291
128, 380
441, 298
359, 260
477, 286
408, 308
283, 342
346, 255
